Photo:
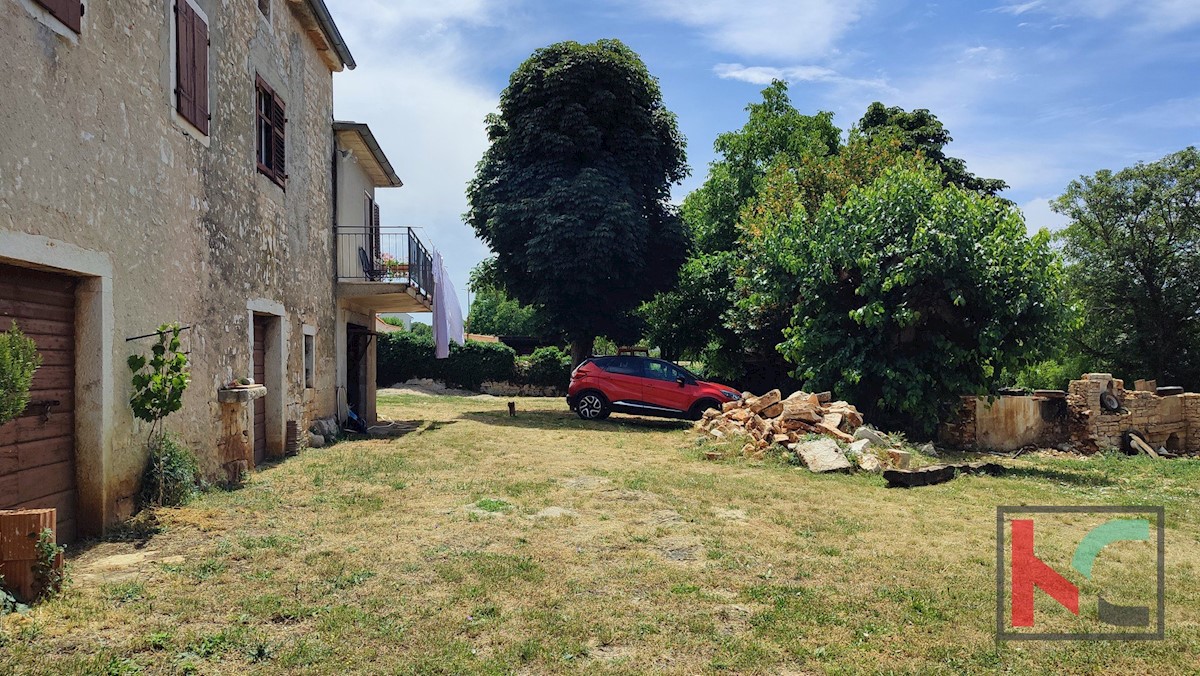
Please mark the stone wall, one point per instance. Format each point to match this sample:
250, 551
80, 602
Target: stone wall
94, 157
1082, 424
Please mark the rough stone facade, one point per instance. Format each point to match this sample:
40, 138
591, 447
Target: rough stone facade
101, 178
1077, 421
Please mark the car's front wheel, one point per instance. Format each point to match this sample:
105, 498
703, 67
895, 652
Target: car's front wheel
697, 411
592, 406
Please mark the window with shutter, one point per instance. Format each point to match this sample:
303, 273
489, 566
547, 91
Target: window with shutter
191, 66
272, 134
375, 229
69, 12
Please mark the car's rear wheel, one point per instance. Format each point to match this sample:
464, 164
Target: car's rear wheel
698, 409
592, 405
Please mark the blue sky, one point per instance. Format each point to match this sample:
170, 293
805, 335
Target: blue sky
1035, 93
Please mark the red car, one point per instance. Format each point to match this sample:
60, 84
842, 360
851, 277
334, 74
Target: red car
642, 386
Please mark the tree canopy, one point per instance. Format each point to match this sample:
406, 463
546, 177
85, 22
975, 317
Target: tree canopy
1133, 250
912, 293
494, 313
572, 194
734, 298
920, 130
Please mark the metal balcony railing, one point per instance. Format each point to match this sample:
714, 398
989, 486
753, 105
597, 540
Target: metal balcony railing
383, 254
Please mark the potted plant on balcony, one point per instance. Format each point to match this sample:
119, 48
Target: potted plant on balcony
392, 267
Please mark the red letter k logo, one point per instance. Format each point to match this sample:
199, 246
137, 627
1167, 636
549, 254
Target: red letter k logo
1028, 571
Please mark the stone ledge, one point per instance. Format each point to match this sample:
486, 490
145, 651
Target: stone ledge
241, 395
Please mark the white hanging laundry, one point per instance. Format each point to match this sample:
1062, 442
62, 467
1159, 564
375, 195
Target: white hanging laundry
447, 314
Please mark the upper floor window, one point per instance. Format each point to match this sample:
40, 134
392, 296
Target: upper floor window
272, 124
69, 12
191, 65
264, 8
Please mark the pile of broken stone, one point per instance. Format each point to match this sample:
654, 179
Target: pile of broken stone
770, 423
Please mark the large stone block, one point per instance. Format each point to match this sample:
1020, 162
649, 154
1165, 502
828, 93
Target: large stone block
823, 455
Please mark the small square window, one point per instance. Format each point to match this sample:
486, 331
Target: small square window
309, 361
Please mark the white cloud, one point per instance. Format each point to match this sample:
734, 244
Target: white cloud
784, 29
1172, 114
1160, 15
762, 75
418, 85
1017, 10
1039, 215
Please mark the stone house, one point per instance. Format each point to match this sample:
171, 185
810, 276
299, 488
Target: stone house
379, 268
162, 161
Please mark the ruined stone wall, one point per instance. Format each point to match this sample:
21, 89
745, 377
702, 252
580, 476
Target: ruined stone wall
1160, 420
1082, 424
92, 154
958, 430
1190, 405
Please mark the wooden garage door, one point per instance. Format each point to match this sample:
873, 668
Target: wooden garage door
37, 450
260, 377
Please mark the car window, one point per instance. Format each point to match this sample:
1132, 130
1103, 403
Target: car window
629, 366
661, 370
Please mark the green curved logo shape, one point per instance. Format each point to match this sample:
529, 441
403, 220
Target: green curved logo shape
1104, 535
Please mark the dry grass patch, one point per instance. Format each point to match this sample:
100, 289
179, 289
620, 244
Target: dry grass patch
542, 543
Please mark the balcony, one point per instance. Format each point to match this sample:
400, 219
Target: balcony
383, 269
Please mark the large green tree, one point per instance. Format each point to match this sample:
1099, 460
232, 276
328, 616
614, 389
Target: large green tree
913, 292
699, 317
920, 130
572, 194
1133, 249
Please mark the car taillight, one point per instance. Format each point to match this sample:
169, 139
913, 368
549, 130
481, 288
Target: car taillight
579, 372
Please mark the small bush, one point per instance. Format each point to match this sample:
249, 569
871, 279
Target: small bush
19, 358
172, 475
9, 602
47, 573
549, 366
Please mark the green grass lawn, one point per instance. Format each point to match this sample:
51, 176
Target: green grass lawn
544, 544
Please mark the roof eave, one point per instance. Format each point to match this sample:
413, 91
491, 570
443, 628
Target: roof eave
364, 132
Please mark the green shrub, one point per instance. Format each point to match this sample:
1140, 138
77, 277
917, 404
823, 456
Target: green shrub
471, 364
172, 475
9, 602
18, 360
549, 366
48, 576
402, 356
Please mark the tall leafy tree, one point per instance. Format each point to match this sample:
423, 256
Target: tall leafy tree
572, 194
1133, 248
912, 293
920, 130
699, 317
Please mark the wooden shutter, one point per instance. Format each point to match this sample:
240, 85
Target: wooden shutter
69, 12
200, 73
375, 228
185, 62
191, 65
278, 129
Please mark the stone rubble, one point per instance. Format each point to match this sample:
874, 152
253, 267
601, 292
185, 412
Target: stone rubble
772, 423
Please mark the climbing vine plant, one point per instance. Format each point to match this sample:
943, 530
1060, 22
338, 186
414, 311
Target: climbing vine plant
19, 359
160, 381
